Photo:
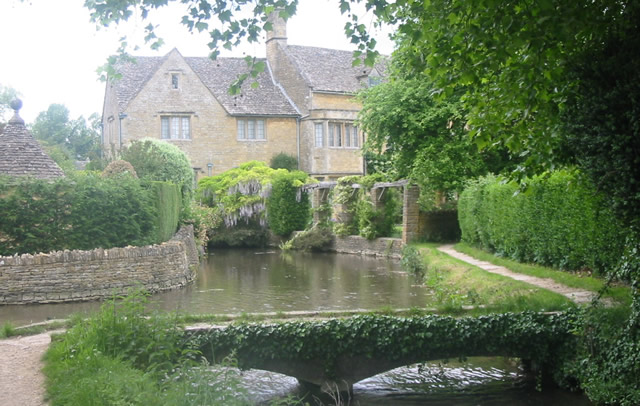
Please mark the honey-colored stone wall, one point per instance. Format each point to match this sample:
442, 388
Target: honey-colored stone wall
213, 131
66, 276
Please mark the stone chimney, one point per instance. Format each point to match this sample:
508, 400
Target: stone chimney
276, 37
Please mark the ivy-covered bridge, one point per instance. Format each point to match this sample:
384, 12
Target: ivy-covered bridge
340, 352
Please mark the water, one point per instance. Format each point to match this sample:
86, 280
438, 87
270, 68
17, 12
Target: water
236, 281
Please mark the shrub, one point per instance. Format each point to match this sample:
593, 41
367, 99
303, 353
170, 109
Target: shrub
284, 161
316, 238
158, 160
288, 207
167, 202
412, 262
119, 167
559, 221
83, 212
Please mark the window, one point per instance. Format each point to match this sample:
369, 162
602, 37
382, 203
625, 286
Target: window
251, 129
335, 134
351, 136
175, 127
174, 80
340, 135
319, 135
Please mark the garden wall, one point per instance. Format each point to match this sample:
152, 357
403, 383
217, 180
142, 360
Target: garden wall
65, 276
354, 244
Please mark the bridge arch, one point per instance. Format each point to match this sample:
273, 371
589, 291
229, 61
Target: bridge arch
340, 352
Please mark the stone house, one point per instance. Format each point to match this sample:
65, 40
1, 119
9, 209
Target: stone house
21, 154
303, 105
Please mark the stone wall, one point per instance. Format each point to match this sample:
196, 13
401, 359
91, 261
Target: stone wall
354, 244
65, 276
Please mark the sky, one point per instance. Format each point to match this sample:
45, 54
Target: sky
49, 49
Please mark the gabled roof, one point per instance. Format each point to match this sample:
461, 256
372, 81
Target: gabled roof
134, 76
328, 70
21, 154
217, 75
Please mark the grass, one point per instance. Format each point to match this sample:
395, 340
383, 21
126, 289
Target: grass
621, 294
457, 284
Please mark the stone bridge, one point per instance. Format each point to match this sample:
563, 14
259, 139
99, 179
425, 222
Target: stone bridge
337, 353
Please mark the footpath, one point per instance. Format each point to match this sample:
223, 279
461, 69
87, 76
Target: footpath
21, 379
22, 382
578, 296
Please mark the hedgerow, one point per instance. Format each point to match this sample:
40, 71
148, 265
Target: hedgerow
559, 221
84, 212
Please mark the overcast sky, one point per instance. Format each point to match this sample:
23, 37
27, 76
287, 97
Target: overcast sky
49, 50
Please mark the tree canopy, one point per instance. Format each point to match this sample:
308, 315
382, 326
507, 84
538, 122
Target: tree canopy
65, 139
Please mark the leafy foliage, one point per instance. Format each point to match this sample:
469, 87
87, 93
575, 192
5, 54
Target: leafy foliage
601, 116
158, 160
119, 167
168, 204
84, 212
288, 207
77, 139
316, 238
239, 193
127, 355
284, 161
559, 221
529, 335
412, 261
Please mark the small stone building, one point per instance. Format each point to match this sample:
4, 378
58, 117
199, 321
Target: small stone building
303, 105
21, 154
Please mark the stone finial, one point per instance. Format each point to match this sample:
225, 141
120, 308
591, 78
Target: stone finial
16, 105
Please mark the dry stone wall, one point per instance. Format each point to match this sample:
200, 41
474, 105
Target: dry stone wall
65, 276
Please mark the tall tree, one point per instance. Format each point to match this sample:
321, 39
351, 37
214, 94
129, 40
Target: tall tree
76, 139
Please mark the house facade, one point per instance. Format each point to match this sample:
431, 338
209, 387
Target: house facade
303, 105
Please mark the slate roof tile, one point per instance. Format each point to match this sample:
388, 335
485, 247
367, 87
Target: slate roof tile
22, 155
217, 75
328, 70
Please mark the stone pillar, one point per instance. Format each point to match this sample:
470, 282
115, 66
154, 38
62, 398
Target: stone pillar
319, 198
376, 198
410, 214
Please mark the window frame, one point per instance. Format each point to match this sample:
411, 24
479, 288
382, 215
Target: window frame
248, 129
173, 125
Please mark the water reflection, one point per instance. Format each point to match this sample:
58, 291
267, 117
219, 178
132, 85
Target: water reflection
236, 281
478, 381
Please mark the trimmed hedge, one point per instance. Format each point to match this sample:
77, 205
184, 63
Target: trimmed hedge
83, 213
559, 221
288, 208
168, 205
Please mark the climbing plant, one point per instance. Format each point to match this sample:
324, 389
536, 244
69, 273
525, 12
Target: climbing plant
540, 337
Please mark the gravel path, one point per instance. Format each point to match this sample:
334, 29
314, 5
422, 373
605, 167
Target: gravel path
21, 379
579, 296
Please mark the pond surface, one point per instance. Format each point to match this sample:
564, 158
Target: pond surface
237, 281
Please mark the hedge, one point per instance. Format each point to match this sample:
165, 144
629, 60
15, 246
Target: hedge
288, 208
559, 221
168, 205
83, 212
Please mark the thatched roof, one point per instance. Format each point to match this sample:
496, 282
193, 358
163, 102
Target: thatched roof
21, 154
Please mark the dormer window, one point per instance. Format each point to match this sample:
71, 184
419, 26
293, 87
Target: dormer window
174, 81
